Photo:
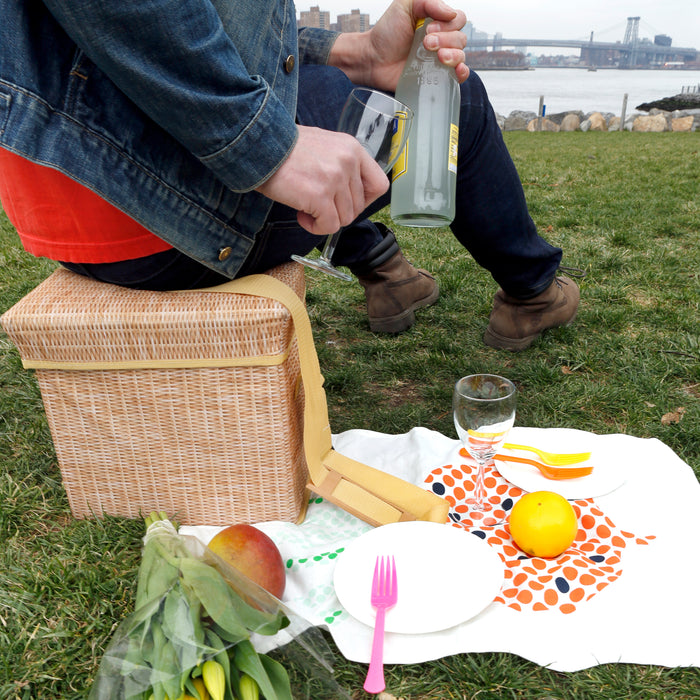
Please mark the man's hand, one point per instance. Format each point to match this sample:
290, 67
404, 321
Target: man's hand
328, 178
376, 58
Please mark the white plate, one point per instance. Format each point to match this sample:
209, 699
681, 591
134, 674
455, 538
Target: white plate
445, 575
608, 471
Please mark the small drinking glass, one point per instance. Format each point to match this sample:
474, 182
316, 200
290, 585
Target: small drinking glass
484, 412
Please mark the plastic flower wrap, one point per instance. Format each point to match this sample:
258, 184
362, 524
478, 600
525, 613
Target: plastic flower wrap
196, 628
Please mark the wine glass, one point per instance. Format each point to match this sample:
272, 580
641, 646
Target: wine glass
381, 124
484, 413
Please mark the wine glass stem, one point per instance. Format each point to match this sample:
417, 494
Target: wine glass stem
329, 247
479, 487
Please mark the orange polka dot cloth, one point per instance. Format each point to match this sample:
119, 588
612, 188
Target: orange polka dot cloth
592, 563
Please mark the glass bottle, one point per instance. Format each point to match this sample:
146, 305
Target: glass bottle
424, 178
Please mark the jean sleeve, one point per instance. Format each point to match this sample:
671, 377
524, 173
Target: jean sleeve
176, 62
315, 44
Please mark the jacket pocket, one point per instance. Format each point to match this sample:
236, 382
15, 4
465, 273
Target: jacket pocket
77, 79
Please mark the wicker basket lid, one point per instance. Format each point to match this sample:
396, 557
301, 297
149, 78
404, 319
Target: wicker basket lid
69, 318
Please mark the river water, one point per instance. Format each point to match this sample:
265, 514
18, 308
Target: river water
567, 89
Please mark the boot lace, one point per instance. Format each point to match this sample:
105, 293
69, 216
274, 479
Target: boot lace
576, 272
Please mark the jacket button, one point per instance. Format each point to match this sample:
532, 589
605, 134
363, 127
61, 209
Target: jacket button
225, 253
289, 64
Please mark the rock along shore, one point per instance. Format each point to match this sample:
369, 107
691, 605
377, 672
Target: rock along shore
658, 118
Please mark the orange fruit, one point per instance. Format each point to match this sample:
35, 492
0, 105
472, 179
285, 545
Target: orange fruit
543, 524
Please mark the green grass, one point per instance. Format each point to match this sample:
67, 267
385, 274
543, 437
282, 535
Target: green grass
626, 207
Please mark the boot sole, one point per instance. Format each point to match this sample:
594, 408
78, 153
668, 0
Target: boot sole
404, 320
500, 342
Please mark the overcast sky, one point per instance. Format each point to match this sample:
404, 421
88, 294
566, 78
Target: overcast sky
560, 19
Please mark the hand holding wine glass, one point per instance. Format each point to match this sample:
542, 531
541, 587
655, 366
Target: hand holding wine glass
381, 124
484, 413
318, 187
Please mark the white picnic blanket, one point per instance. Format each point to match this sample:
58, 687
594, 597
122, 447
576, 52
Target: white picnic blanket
626, 592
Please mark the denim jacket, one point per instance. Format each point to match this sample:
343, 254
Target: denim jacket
173, 110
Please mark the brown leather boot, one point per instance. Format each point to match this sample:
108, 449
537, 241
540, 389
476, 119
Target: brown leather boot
516, 323
394, 289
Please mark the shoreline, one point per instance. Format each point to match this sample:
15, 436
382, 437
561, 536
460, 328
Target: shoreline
653, 119
578, 89
689, 69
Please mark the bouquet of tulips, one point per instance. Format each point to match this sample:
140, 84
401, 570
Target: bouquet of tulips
190, 635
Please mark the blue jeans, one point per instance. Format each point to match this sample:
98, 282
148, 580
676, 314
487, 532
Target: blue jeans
492, 221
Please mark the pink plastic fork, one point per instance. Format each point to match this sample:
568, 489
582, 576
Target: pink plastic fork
384, 596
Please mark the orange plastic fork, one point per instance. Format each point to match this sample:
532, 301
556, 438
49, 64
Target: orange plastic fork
555, 473
384, 596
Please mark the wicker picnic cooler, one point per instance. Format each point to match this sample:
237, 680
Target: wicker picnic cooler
187, 402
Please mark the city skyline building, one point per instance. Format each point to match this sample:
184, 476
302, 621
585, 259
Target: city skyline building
354, 21
315, 17
358, 21
473, 34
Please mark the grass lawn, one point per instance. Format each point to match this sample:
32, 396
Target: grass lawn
625, 207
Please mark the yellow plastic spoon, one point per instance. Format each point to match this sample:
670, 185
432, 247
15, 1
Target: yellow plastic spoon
554, 459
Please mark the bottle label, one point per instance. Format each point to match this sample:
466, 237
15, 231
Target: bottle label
397, 137
454, 141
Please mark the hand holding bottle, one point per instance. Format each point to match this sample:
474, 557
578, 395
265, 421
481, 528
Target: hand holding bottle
377, 57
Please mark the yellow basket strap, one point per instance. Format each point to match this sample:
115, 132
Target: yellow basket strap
133, 365
370, 494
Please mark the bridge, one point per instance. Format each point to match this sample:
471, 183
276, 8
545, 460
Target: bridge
630, 53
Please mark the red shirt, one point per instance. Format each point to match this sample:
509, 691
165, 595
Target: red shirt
60, 219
